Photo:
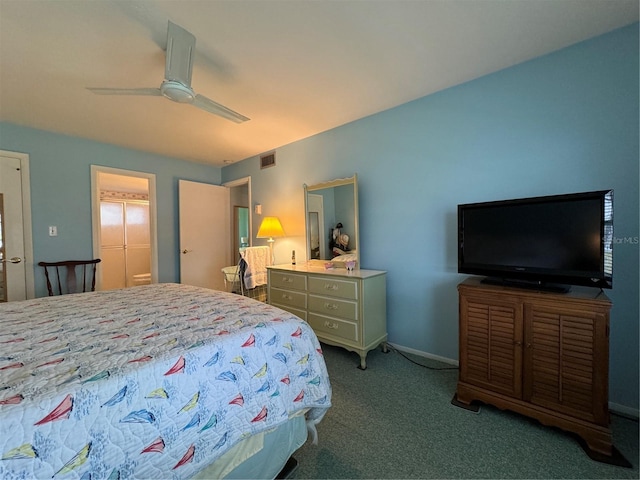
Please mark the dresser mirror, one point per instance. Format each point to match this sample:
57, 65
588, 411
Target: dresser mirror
331, 217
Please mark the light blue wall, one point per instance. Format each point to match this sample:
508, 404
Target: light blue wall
565, 122
60, 168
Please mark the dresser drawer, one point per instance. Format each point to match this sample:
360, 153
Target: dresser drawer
336, 288
333, 327
287, 280
333, 307
290, 298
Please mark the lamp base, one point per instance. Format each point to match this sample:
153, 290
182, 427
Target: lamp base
271, 241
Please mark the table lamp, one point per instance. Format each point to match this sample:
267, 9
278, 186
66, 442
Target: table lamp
269, 228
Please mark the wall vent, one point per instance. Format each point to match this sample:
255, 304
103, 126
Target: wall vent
268, 160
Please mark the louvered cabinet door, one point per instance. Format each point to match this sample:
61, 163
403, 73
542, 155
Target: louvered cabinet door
490, 344
566, 354
545, 355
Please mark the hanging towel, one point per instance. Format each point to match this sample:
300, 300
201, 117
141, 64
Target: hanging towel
258, 259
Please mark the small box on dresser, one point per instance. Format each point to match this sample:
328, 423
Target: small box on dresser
345, 308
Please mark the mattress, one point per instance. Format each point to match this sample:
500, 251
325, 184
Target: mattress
154, 381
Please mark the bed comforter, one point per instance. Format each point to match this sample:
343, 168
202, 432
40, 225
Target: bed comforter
155, 381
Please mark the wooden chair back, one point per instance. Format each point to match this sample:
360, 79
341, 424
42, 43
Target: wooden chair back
72, 282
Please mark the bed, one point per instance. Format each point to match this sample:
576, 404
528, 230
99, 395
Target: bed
155, 381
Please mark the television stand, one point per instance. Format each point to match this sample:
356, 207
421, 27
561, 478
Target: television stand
543, 355
528, 284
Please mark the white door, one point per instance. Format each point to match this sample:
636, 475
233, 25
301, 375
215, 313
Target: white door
13, 276
204, 234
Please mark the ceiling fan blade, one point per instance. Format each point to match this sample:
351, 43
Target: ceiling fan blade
177, 83
126, 91
181, 47
210, 106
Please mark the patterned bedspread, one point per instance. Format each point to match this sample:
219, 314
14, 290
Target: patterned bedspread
155, 381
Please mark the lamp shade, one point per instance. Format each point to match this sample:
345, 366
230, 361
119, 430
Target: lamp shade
270, 227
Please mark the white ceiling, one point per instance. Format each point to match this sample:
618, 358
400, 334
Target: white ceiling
295, 67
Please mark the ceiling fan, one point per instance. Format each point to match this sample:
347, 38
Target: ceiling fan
177, 77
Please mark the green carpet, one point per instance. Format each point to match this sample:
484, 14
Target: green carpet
395, 420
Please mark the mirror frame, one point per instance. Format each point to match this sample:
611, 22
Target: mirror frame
322, 186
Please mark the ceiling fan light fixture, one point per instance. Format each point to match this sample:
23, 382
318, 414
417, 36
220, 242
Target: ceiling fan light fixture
177, 92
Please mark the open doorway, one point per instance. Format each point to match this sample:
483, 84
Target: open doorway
240, 202
124, 227
240, 227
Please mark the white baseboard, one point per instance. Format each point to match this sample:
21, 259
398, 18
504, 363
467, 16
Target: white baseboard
420, 353
624, 411
614, 407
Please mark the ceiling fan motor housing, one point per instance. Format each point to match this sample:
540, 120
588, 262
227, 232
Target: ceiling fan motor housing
177, 92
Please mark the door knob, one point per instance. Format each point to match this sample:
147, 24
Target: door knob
12, 260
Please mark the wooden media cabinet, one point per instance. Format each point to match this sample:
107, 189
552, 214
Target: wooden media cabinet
544, 355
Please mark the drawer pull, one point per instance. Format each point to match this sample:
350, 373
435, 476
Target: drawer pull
331, 286
287, 279
286, 297
331, 325
330, 306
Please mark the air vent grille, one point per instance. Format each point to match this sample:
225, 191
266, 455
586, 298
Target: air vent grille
268, 160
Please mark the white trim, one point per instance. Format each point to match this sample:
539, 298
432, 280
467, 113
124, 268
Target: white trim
623, 410
153, 215
26, 220
430, 356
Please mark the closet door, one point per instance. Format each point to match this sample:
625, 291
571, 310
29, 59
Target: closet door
112, 248
126, 244
137, 243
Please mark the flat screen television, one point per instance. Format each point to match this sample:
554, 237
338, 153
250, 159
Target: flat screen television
549, 242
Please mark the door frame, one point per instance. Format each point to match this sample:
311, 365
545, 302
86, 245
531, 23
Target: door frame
27, 229
318, 207
95, 214
240, 182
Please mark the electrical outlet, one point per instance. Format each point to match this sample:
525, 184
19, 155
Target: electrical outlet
53, 231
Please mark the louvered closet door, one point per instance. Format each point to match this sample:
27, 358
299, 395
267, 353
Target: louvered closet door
491, 349
125, 242
563, 367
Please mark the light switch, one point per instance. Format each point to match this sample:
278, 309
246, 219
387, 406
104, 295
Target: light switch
53, 231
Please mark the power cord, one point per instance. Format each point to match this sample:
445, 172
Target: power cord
390, 347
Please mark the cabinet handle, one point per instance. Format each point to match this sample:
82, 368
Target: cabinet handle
330, 306
517, 344
333, 326
330, 286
